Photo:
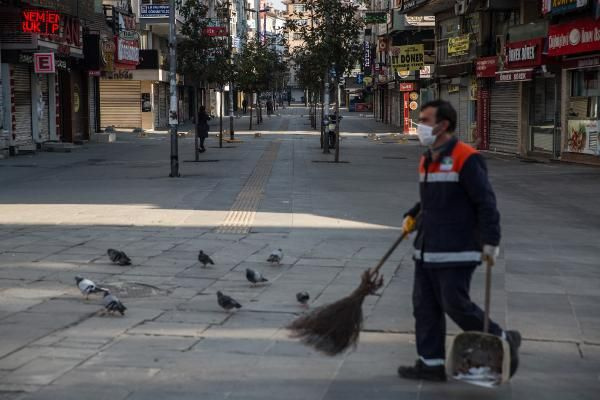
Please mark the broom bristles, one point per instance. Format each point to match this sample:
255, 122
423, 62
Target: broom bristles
333, 328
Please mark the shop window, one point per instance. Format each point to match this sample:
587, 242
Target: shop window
585, 89
542, 102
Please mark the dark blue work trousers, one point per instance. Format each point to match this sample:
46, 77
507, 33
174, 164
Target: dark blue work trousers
440, 291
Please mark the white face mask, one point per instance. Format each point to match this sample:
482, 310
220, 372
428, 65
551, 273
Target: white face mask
425, 133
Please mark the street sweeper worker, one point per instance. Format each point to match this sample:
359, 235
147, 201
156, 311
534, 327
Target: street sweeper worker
458, 228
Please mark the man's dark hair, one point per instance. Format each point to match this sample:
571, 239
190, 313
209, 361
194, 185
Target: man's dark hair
444, 111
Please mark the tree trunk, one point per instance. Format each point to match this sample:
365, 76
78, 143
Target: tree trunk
251, 108
196, 108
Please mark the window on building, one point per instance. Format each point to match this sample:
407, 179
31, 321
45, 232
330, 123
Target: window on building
299, 8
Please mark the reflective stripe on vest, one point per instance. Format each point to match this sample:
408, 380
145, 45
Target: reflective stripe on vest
455, 256
440, 177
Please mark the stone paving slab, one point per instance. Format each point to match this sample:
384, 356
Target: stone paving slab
332, 222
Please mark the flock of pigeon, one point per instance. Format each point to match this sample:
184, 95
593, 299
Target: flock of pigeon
112, 304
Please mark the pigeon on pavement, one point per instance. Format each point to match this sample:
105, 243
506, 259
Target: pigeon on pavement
113, 304
276, 256
205, 259
254, 276
87, 287
227, 302
302, 297
118, 257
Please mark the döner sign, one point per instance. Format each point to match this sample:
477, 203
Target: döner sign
579, 36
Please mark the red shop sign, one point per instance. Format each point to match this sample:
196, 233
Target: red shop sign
526, 53
44, 22
579, 36
215, 31
407, 87
486, 67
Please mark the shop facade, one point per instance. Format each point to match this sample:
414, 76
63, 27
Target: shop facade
577, 45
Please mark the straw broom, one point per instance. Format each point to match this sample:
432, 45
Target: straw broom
333, 328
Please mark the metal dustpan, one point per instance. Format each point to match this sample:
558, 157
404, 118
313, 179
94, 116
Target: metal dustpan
479, 358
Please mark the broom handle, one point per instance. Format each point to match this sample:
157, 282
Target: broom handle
387, 255
488, 287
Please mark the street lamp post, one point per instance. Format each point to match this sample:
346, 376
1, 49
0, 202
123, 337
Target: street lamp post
173, 121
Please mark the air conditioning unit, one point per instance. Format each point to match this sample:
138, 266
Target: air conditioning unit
460, 8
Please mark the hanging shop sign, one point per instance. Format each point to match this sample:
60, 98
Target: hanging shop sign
582, 136
425, 72
43, 22
483, 117
459, 45
376, 17
407, 87
579, 36
486, 67
514, 76
367, 57
154, 10
215, 31
526, 53
382, 45
128, 51
408, 58
107, 51
43, 63
556, 7
453, 88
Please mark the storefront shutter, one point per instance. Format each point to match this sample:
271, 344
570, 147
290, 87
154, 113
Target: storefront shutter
22, 89
120, 103
44, 120
504, 124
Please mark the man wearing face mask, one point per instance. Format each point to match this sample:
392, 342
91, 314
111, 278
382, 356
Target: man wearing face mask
458, 228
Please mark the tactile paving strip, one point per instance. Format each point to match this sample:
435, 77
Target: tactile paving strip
241, 215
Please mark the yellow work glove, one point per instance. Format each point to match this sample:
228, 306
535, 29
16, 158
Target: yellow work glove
489, 254
409, 224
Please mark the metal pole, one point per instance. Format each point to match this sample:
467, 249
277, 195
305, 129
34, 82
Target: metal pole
325, 119
173, 92
231, 128
257, 6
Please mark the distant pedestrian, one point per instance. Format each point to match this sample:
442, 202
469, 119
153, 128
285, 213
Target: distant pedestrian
202, 127
269, 107
245, 105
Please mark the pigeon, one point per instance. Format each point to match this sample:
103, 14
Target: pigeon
276, 256
118, 257
227, 302
255, 276
113, 304
302, 297
205, 259
88, 287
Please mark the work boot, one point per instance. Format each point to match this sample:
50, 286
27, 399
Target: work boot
421, 371
514, 342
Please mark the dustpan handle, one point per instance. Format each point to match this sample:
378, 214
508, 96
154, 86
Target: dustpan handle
387, 255
488, 287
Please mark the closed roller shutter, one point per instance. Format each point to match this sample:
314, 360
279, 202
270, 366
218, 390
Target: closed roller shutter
44, 120
120, 104
163, 119
504, 124
22, 89
454, 99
